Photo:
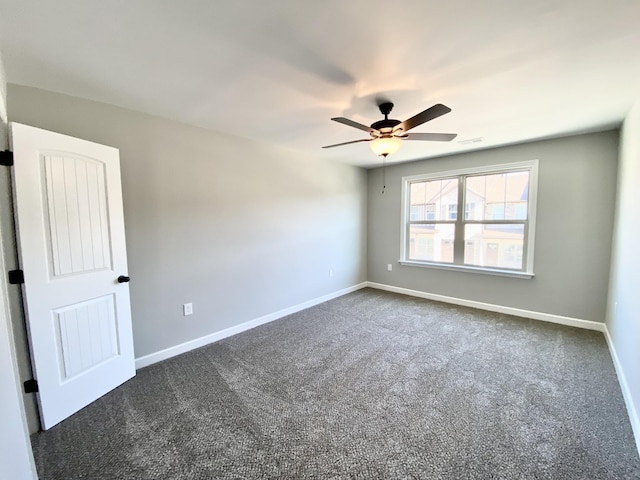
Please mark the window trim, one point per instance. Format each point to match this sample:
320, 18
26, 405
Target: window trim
459, 243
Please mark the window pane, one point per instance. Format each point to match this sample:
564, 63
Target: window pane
495, 245
434, 200
502, 196
432, 243
516, 195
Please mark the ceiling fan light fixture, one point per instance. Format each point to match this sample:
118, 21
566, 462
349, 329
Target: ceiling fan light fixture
386, 145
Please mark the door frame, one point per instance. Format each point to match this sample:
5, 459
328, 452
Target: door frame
16, 454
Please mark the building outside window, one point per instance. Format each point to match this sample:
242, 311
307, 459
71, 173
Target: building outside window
494, 233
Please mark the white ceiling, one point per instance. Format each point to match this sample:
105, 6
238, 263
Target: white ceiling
276, 71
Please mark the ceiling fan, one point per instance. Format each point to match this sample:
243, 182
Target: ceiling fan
387, 134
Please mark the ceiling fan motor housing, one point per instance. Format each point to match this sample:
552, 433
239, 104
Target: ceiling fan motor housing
385, 126
386, 123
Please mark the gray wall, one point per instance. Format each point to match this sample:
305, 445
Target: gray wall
576, 191
623, 319
240, 229
16, 459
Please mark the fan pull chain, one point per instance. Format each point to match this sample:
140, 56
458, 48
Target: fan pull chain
384, 181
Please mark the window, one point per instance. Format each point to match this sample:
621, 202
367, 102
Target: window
493, 234
431, 212
452, 211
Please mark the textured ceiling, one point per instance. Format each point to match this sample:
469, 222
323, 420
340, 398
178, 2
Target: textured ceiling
276, 71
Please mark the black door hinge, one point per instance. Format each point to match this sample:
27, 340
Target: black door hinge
31, 386
6, 158
16, 277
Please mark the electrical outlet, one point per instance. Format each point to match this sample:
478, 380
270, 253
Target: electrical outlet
187, 309
389, 267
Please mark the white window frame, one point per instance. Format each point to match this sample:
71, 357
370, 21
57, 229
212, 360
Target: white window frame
459, 243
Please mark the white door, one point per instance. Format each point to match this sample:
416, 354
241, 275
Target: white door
70, 225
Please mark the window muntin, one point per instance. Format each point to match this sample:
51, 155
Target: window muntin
495, 231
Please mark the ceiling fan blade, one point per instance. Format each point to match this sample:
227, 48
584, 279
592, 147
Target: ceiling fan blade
434, 137
351, 123
423, 117
347, 143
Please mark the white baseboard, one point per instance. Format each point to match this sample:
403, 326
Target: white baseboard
546, 317
626, 392
155, 357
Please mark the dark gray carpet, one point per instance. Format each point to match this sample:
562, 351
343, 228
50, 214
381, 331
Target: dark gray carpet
371, 385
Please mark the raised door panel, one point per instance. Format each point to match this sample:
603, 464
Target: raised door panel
78, 231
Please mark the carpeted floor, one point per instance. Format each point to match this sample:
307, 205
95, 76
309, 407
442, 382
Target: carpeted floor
371, 385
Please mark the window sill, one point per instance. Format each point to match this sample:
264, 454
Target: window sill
466, 268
